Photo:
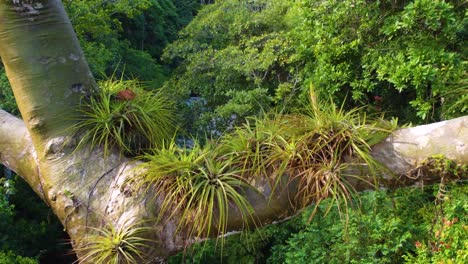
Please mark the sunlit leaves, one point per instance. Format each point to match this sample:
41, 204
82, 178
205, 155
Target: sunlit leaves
406, 52
125, 244
233, 49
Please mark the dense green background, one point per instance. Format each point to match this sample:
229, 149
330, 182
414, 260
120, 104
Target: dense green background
225, 60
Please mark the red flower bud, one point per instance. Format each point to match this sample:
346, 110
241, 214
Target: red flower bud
126, 95
418, 244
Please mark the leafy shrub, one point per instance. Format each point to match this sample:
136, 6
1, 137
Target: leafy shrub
10, 258
28, 233
447, 241
114, 39
7, 100
383, 226
234, 60
397, 57
405, 52
381, 229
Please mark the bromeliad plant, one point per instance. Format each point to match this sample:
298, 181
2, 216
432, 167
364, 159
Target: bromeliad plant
110, 245
328, 135
311, 148
199, 186
124, 115
202, 185
217, 189
249, 146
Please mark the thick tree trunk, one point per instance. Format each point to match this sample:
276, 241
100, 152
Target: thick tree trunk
85, 188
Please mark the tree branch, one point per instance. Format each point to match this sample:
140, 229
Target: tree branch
17, 151
407, 148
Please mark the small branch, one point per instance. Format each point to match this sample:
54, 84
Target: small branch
406, 148
17, 151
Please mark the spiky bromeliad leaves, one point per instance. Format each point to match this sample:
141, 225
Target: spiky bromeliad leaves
330, 135
311, 147
114, 245
124, 115
198, 185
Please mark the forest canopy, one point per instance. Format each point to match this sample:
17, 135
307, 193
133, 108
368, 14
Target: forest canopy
403, 58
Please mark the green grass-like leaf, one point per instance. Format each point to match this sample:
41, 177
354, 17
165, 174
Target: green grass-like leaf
455, 100
203, 185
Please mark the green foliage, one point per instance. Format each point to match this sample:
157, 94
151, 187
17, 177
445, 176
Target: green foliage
249, 146
6, 209
405, 52
233, 54
455, 99
110, 245
448, 238
128, 35
199, 186
7, 100
186, 10
370, 235
153, 28
310, 146
98, 29
328, 134
28, 234
246, 247
9, 258
122, 114
400, 57
383, 227
443, 167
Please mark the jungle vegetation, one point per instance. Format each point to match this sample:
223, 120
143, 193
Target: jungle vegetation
224, 73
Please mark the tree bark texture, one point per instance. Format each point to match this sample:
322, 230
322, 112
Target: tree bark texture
85, 188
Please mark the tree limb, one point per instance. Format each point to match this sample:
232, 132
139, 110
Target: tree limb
406, 148
17, 151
